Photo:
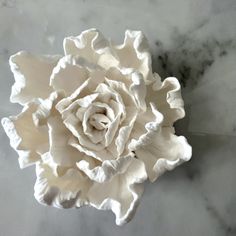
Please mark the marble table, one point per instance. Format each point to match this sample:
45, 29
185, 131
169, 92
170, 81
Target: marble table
193, 40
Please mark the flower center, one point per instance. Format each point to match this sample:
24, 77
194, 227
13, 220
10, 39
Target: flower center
99, 121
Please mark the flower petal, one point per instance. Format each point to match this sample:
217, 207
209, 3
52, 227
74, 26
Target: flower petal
164, 152
125, 130
138, 89
134, 54
143, 134
121, 194
46, 108
88, 45
120, 112
95, 135
86, 101
32, 75
168, 99
106, 170
116, 74
66, 191
127, 98
74, 125
62, 153
88, 87
28, 140
96, 151
68, 75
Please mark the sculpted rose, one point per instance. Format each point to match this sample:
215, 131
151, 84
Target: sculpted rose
96, 122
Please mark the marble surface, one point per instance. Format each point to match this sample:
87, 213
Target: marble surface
193, 40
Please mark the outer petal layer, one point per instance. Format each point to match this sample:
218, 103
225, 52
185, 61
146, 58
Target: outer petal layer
68, 190
121, 194
32, 75
68, 75
90, 44
134, 54
164, 152
25, 138
167, 97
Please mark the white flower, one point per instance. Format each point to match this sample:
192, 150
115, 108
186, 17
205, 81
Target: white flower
89, 126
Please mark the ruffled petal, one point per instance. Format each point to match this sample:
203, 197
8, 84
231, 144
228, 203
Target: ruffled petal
85, 44
164, 152
92, 46
32, 75
123, 135
88, 87
68, 75
59, 149
106, 170
121, 194
138, 89
96, 151
147, 123
28, 140
62, 153
134, 54
76, 128
168, 99
46, 108
65, 191
115, 74
119, 88
131, 87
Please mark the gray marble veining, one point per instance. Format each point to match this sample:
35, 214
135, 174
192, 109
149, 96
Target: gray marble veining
193, 40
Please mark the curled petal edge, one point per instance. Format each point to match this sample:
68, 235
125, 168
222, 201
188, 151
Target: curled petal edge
141, 48
91, 39
162, 165
173, 98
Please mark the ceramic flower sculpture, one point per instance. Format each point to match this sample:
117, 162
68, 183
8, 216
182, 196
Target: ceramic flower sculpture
96, 122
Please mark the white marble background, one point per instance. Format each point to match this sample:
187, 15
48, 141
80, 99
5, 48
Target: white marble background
194, 40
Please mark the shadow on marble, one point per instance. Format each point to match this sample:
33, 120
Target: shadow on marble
189, 58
